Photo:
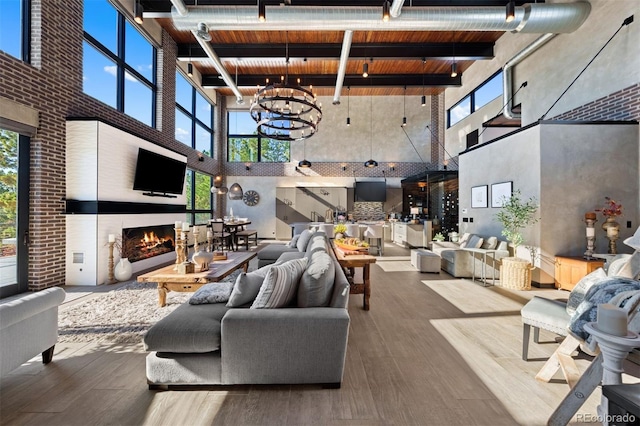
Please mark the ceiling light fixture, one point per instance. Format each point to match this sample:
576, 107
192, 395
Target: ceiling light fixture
424, 98
138, 10
262, 12
217, 181
404, 107
386, 11
371, 163
365, 70
190, 69
284, 111
203, 32
511, 11
454, 65
348, 114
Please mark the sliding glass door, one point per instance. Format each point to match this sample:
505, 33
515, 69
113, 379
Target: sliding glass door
14, 212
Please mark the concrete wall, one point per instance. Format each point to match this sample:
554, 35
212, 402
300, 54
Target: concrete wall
550, 70
569, 169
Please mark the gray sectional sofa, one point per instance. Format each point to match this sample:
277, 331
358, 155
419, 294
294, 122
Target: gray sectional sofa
459, 262
214, 344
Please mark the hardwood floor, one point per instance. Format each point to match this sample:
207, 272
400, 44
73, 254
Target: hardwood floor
416, 358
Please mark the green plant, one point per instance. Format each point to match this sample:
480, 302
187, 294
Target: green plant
340, 228
438, 237
515, 215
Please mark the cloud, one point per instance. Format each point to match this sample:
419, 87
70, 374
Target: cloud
111, 69
181, 133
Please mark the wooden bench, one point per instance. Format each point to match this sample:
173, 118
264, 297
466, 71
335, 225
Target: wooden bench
244, 237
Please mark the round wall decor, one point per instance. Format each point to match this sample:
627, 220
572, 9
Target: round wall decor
251, 197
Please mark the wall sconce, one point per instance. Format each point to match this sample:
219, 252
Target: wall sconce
445, 163
200, 156
392, 167
344, 167
247, 166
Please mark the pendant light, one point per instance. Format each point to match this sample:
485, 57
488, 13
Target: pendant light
262, 12
365, 69
386, 11
304, 163
404, 107
371, 163
424, 98
454, 65
511, 11
348, 114
235, 192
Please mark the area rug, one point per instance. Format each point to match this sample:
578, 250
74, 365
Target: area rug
122, 315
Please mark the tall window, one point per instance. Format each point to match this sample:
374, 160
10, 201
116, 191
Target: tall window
119, 64
198, 197
15, 19
245, 145
479, 97
194, 117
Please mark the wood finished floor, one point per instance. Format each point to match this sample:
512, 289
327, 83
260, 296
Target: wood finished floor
413, 359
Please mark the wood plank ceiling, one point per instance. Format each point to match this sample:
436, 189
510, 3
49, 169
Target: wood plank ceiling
418, 60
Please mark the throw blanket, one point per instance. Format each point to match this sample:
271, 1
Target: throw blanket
620, 292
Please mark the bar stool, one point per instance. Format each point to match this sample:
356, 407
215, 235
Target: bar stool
376, 232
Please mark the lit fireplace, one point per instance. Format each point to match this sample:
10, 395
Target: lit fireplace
149, 241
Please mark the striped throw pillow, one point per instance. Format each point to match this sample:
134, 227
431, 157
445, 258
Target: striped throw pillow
280, 285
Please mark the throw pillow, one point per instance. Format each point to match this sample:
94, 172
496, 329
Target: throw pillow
212, 293
247, 287
628, 267
577, 294
304, 239
280, 285
316, 284
465, 237
474, 242
294, 241
490, 243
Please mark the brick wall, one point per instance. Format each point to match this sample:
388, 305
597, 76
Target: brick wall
52, 84
622, 105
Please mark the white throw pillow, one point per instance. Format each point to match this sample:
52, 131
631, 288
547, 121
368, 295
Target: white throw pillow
490, 243
280, 285
628, 267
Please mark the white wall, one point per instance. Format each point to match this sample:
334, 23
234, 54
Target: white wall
101, 162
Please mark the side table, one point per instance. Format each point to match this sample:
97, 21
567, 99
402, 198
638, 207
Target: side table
571, 269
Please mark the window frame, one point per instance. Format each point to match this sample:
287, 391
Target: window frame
122, 66
472, 98
192, 116
191, 210
256, 136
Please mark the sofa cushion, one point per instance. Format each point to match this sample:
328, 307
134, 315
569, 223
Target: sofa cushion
577, 293
212, 293
473, 242
294, 241
247, 287
316, 244
304, 239
188, 329
280, 285
465, 237
489, 243
316, 284
273, 251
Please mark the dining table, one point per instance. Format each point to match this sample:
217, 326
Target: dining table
232, 227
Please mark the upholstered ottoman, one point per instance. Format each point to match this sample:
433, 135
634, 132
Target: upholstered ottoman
425, 260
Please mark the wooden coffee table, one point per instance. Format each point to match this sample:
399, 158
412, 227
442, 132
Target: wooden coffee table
170, 280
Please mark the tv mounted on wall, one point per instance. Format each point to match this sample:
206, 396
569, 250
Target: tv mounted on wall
158, 174
371, 191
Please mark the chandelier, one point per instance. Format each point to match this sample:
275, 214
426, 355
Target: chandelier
284, 111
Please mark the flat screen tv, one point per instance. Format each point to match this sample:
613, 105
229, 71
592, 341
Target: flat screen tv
158, 174
371, 191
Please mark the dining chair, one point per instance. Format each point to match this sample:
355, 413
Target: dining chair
220, 235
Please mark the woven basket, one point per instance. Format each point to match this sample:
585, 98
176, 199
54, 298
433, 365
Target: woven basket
515, 273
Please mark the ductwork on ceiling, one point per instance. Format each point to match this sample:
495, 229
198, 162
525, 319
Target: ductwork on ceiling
530, 18
342, 67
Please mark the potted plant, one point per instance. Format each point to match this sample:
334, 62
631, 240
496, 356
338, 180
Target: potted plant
515, 215
438, 237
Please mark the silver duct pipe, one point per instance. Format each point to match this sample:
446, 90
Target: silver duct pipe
396, 8
507, 74
219, 67
530, 18
342, 67
181, 8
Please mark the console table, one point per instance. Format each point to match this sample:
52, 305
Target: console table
571, 269
352, 261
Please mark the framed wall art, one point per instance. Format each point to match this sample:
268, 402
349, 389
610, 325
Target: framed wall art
500, 191
479, 196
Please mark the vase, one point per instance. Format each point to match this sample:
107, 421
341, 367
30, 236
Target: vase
612, 228
202, 259
123, 270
